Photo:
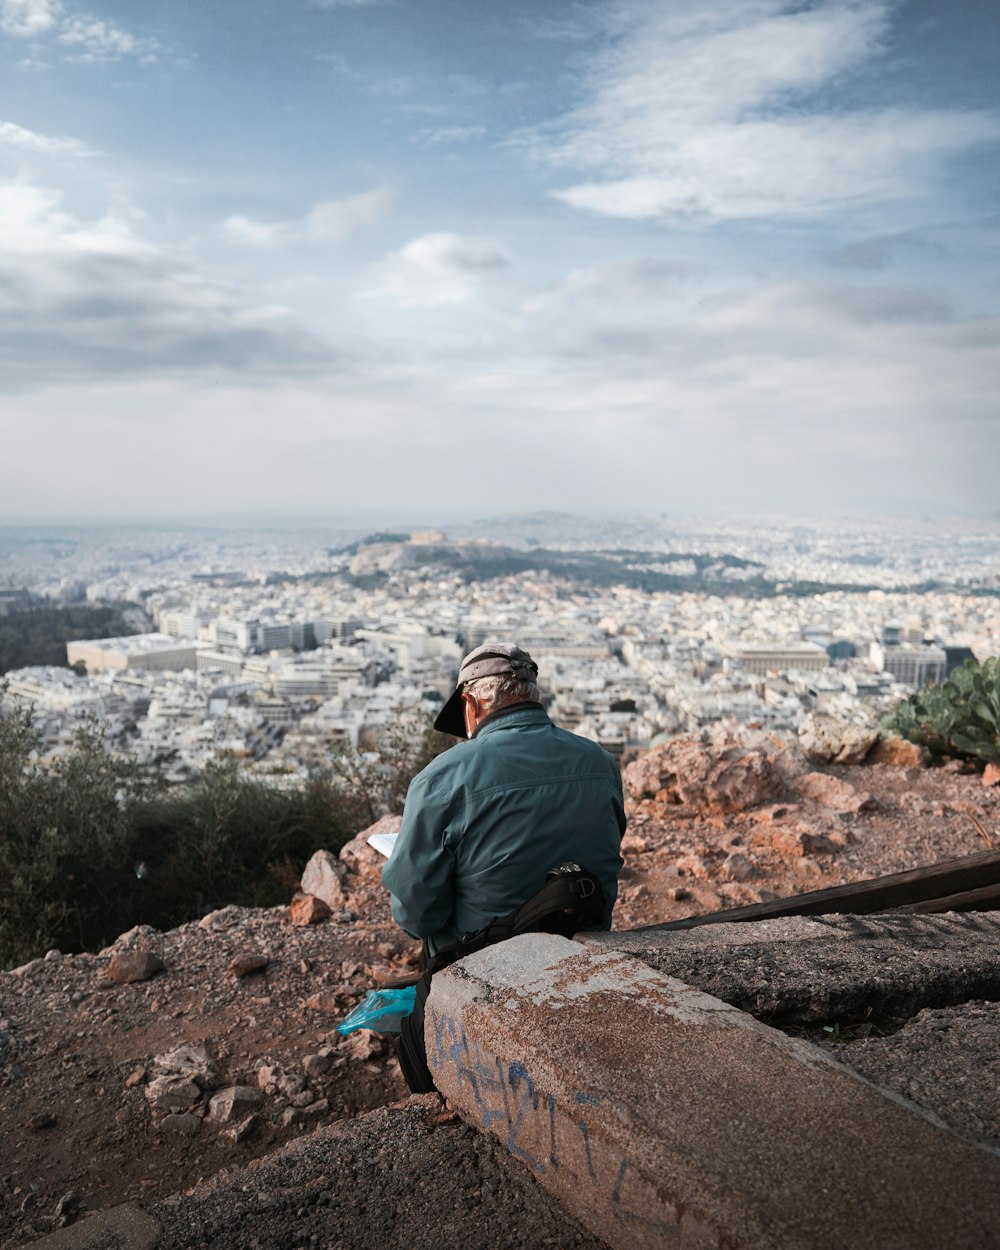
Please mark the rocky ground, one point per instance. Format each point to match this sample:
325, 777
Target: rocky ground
717, 826
169, 1061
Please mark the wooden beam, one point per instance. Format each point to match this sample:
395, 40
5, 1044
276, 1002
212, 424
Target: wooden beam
986, 899
916, 886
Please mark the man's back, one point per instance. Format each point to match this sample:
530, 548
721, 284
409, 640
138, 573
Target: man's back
486, 820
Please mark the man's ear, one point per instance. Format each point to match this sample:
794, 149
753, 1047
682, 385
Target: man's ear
470, 708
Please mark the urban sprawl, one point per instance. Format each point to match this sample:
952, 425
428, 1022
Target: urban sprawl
271, 647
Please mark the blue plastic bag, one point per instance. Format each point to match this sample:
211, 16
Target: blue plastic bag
382, 1011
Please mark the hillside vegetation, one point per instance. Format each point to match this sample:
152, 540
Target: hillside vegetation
38, 635
93, 845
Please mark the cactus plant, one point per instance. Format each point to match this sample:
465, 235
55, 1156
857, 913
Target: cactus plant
959, 718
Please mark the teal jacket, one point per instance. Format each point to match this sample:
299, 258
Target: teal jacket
485, 821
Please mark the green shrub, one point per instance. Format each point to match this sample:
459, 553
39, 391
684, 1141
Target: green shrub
67, 844
92, 845
959, 719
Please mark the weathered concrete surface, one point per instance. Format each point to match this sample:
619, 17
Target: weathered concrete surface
946, 1059
805, 970
661, 1117
801, 969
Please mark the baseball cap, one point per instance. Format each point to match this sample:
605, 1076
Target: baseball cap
489, 660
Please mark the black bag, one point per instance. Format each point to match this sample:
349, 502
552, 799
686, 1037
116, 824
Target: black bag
570, 899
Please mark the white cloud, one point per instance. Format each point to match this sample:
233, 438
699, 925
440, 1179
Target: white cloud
622, 282
101, 41
27, 19
331, 221
88, 38
257, 233
20, 139
443, 136
435, 270
93, 299
704, 113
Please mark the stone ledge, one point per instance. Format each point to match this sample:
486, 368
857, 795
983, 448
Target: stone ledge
661, 1117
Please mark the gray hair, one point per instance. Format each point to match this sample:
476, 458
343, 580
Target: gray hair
503, 688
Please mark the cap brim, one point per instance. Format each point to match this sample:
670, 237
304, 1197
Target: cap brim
451, 718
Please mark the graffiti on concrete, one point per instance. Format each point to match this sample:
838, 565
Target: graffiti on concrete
525, 1119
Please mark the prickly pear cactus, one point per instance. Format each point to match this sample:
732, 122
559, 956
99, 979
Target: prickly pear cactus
959, 718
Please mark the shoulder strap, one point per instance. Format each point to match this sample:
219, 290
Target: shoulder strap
570, 898
565, 904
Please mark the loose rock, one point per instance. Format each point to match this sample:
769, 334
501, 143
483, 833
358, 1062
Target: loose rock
736, 867
831, 792
185, 1122
896, 752
244, 965
232, 1103
307, 909
323, 877
827, 740
128, 966
711, 782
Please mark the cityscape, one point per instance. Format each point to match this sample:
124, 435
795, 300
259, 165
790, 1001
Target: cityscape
272, 646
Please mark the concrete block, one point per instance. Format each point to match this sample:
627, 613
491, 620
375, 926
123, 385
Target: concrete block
661, 1117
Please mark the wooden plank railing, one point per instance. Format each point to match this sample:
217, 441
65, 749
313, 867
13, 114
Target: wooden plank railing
968, 884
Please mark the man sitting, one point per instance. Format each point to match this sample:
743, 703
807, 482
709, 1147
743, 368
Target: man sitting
485, 821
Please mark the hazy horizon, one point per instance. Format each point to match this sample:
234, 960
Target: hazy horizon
430, 519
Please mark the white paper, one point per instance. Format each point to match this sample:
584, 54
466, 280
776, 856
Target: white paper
383, 842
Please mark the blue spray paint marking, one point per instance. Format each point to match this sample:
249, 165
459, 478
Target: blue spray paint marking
586, 1147
518, 1072
588, 1100
616, 1193
515, 1073
551, 1102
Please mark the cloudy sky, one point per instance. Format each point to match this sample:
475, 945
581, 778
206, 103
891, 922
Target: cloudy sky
284, 255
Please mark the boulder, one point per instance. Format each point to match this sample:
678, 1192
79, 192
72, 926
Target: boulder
235, 1102
896, 752
307, 909
825, 739
127, 966
315, 1066
831, 792
710, 781
323, 878
238, 1133
360, 1046
189, 1061
322, 1000
268, 1076
358, 857
169, 1092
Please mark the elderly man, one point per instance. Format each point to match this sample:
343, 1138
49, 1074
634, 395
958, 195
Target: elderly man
484, 822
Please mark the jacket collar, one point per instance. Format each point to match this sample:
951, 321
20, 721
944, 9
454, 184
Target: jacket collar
527, 711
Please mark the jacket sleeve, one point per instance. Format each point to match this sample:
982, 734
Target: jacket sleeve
418, 874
